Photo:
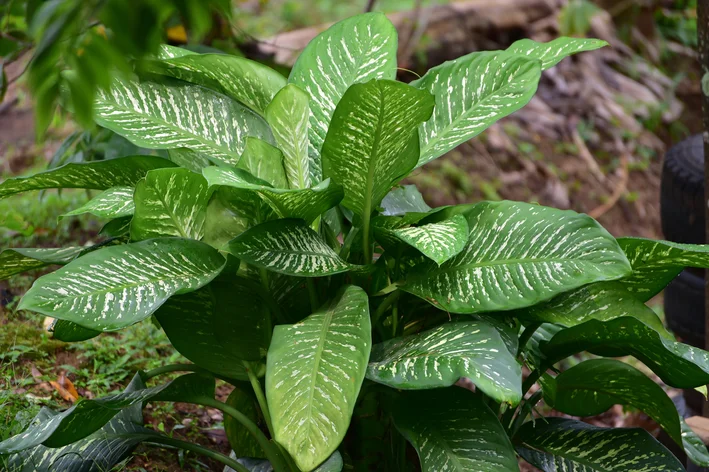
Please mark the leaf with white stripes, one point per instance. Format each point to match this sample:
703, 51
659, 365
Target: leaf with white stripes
265, 162
98, 175
247, 81
170, 202
314, 373
472, 92
372, 142
179, 115
351, 51
16, 260
443, 355
289, 114
553, 52
170, 52
555, 444
116, 286
437, 241
112, 203
287, 246
518, 255
453, 430
306, 203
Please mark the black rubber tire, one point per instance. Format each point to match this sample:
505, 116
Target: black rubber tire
684, 308
682, 192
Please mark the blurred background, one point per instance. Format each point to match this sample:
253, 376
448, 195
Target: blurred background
592, 140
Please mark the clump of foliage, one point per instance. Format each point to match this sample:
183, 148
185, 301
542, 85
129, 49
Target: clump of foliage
278, 252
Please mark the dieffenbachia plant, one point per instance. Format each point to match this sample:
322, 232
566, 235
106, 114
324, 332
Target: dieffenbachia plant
279, 253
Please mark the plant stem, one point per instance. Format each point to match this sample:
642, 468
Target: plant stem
188, 446
314, 304
526, 336
366, 247
388, 302
394, 319
174, 368
522, 415
260, 397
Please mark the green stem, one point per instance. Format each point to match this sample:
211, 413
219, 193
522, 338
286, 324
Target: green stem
526, 336
524, 411
388, 302
314, 304
174, 368
366, 246
188, 446
260, 397
394, 319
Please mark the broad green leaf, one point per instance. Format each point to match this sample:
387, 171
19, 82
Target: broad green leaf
179, 115
334, 463
117, 227
287, 246
16, 260
115, 202
453, 430
265, 162
314, 374
404, 199
69, 332
221, 222
88, 416
595, 385
555, 444
473, 92
678, 365
351, 51
170, 202
99, 175
116, 286
194, 161
441, 356
551, 53
218, 326
247, 81
240, 439
372, 142
288, 114
518, 255
437, 241
306, 204
694, 446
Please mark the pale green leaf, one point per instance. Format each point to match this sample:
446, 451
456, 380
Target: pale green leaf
194, 161
179, 115
518, 255
437, 241
314, 374
289, 114
17, 260
289, 247
116, 286
472, 92
372, 141
402, 200
112, 203
265, 162
351, 51
551, 53
441, 356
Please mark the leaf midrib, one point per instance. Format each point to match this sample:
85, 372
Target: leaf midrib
368, 197
566, 458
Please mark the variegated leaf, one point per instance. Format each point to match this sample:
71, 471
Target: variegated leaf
17, 260
287, 246
437, 241
558, 444
441, 356
170, 52
112, 203
170, 202
334, 463
372, 141
194, 161
314, 374
247, 81
472, 92
351, 51
116, 286
289, 115
306, 204
179, 115
265, 162
453, 430
402, 200
116, 228
99, 175
518, 255
551, 53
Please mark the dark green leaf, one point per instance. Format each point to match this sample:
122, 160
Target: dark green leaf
240, 439
69, 332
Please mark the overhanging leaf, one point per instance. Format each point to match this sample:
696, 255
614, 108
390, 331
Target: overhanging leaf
69, 332
351, 51
115, 202
437, 241
372, 140
265, 162
441, 356
170, 202
519, 255
453, 430
472, 92
328, 353
551, 53
287, 246
554, 444
116, 286
403, 199
99, 175
16, 260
